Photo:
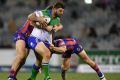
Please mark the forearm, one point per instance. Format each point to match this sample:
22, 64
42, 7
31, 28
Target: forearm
59, 49
49, 28
33, 17
58, 27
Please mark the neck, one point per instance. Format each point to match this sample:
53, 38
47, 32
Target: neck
53, 13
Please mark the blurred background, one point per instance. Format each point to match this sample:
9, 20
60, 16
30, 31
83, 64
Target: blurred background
95, 23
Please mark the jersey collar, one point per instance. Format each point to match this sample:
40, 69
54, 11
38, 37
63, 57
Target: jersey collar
50, 11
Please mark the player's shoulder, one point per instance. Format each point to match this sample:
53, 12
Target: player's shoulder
38, 13
45, 10
69, 39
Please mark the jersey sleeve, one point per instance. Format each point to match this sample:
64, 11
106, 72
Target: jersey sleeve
55, 22
58, 21
38, 13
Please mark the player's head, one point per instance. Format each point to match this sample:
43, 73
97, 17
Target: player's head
59, 8
57, 42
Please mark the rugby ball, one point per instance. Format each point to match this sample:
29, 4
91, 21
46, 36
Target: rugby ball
47, 19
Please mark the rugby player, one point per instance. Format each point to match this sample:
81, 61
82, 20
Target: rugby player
29, 28
67, 47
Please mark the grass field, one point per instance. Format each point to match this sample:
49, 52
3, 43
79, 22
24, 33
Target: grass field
70, 76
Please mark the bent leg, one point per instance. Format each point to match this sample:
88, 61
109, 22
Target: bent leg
36, 66
91, 63
21, 54
65, 66
42, 50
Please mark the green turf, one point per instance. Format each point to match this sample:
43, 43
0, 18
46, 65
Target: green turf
70, 76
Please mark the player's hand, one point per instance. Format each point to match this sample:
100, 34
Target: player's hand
51, 47
56, 28
42, 22
49, 28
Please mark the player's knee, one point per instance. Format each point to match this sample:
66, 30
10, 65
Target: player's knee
47, 53
47, 56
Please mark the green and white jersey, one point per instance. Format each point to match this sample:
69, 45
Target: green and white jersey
48, 13
41, 33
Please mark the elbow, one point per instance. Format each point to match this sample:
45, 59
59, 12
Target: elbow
29, 17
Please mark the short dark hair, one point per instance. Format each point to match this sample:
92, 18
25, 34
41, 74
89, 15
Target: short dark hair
59, 5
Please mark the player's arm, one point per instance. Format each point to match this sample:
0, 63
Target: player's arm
54, 28
49, 28
33, 17
58, 27
60, 49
